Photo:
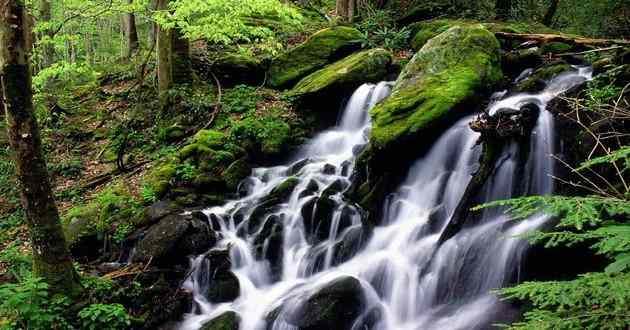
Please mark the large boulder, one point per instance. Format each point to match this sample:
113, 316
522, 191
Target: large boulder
443, 81
335, 306
320, 49
449, 70
173, 238
344, 75
226, 321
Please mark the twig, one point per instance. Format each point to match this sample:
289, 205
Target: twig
217, 105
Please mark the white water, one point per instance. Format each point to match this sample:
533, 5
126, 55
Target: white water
415, 282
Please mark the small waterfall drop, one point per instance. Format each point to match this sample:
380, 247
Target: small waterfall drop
284, 252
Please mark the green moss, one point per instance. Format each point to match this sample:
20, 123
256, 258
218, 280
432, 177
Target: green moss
366, 66
236, 172
209, 138
268, 131
535, 82
283, 190
321, 48
556, 48
450, 69
426, 30
159, 177
226, 321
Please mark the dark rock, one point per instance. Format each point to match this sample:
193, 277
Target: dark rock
226, 321
298, 166
329, 169
235, 173
222, 284
370, 320
169, 308
173, 238
335, 306
336, 187
349, 245
507, 122
159, 210
311, 189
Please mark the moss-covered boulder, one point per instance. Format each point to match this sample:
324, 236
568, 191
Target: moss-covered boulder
447, 72
320, 49
232, 68
226, 321
425, 30
344, 75
237, 171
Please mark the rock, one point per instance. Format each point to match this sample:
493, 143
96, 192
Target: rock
449, 70
235, 173
159, 210
537, 81
515, 62
173, 238
335, 306
223, 285
170, 307
334, 188
296, 167
349, 245
329, 169
507, 123
321, 48
426, 11
344, 75
283, 191
226, 321
268, 243
238, 68
311, 189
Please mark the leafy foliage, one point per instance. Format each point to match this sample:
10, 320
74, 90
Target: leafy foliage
28, 306
226, 21
104, 317
379, 29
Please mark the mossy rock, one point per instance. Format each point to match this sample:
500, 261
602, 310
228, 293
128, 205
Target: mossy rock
283, 190
210, 138
447, 72
226, 321
425, 11
232, 68
537, 81
346, 74
236, 172
556, 48
424, 31
158, 178
321, 48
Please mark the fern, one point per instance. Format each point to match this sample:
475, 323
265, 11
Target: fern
592, 301
614, 156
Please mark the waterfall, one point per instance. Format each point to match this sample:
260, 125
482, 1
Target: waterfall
283, 250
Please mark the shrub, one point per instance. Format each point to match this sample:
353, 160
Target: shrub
104, 317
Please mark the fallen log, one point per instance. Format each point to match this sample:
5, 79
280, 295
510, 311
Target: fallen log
544, 38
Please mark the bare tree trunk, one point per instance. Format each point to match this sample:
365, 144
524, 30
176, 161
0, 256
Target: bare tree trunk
180, 59
345, 9
503, 9
48, 51
51, 258
165, 69
551, 12
131, 33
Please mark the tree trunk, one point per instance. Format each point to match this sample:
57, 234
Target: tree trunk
165, 69
551, 12
51, 258
345, 9
131, 34
503, 9
48, 50
180, 59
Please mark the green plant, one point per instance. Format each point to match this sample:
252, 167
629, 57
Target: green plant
269, 130
186, 171
19, 264
27, 305
122, 231
148, 194
240, 99
104, 317
378, 29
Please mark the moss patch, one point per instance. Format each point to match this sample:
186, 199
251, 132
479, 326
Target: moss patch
366, 66
448, 70
320, 49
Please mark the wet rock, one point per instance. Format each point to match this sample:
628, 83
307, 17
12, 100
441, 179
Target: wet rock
311, 189
329, 169
229, 320
349, 245
320, 49
296, 167
507, 122
169, 308
335, 306
334, 188
223, 285
235, 173
173, 238
538, 80
370, 320
516, 61
268, 243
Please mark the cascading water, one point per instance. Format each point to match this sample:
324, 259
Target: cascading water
286, 250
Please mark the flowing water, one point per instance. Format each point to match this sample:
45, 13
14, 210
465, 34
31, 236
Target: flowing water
284, 252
